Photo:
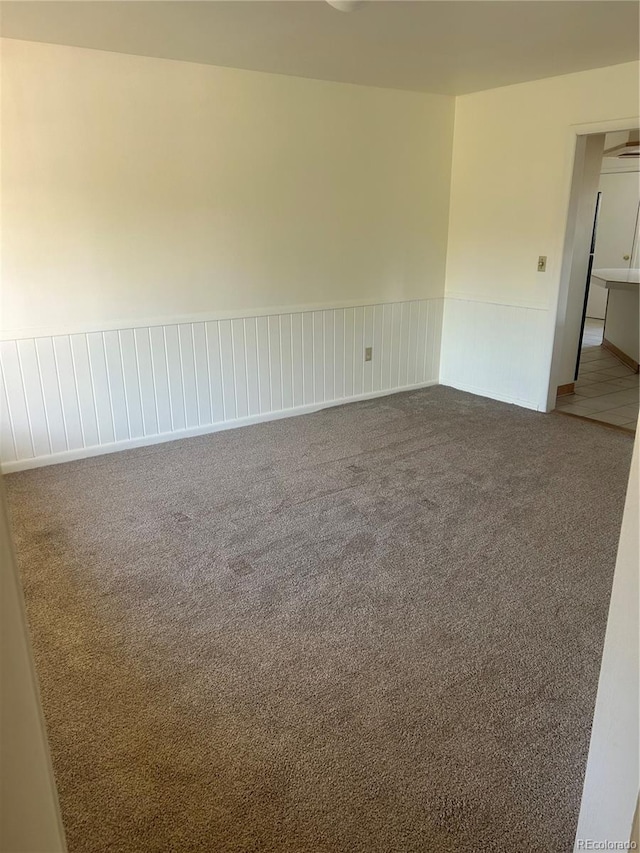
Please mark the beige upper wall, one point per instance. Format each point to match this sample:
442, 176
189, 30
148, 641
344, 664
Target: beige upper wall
137, 188
512, 165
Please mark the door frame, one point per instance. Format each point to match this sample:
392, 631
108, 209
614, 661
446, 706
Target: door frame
555, 326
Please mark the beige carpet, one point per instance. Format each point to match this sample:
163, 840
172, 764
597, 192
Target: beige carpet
377, 628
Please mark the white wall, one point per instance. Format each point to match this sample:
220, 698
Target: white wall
143, 194
67, 396
30, 816
187, 248
139, 189
512, 166
597, 303
612, 777
492, 349
623, 321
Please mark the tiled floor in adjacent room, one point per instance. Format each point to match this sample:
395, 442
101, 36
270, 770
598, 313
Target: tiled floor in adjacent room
606, 390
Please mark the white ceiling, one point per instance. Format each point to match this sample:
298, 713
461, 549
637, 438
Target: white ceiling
450, 47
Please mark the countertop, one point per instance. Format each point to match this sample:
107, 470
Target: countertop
617, 279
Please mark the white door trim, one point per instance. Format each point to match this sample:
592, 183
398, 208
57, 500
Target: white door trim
554, 333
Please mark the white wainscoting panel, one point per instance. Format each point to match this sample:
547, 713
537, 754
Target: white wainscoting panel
69, 396
497, 351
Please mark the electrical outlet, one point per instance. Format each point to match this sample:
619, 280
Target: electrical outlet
542, 263
368, 353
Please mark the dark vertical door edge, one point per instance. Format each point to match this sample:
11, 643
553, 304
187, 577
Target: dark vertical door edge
587, 285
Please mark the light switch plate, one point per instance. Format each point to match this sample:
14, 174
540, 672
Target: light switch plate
542, 263
368, 353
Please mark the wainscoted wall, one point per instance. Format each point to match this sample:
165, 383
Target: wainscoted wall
498, 351
69, 396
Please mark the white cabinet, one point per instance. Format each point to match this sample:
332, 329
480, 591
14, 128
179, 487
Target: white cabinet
617, 234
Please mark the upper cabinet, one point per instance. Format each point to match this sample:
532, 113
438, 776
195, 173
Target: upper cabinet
617, 232
618, 221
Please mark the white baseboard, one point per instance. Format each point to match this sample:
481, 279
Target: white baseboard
145, 441
491, 395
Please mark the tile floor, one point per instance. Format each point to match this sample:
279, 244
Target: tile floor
606, 390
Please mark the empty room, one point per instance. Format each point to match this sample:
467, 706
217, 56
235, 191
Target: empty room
319, 469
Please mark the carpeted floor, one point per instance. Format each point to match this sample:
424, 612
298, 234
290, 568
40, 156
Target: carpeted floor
373, 629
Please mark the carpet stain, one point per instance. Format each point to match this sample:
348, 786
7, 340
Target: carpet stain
241, 566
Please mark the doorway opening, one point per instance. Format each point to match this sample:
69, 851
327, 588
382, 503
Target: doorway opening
596, 364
